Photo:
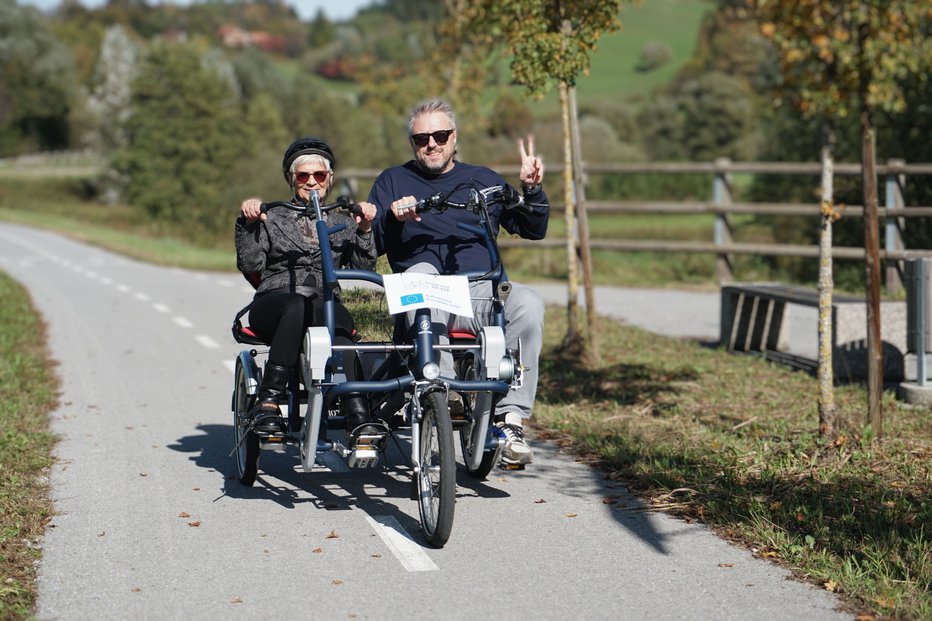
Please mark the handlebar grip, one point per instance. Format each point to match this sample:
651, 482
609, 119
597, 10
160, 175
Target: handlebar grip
347, 203
264, 208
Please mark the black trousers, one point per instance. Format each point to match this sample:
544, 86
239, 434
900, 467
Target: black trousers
281, 319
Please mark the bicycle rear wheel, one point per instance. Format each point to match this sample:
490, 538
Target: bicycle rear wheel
470, 372
246, 440
436, 478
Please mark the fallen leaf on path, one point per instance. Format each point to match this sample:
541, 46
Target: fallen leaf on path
317, 551
337, 582
194, 524
135, 589
726, 564
184, 514
609, 500
236, 600
830, 585
571, 515
539, 502
333, 535
143, 474
376, 555
102, 533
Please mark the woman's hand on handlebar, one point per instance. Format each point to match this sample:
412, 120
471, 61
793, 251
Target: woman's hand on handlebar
251, 210
364, 221
405, 208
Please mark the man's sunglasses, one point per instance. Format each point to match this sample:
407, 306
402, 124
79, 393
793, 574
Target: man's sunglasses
440, 137
319, 176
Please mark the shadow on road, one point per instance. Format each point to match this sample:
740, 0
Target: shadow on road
376, 491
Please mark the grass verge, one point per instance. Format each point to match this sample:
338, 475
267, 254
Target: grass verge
731, 440
27, 394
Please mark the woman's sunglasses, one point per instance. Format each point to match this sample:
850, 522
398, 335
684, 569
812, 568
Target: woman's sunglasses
440, 137
319, 176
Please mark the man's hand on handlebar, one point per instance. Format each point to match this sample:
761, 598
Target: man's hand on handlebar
405, 208
251, 209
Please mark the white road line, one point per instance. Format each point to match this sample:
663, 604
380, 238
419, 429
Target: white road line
230, 364
406, 550
206, 341
141, 296
123, 288
161, 308
184, 323
106, 281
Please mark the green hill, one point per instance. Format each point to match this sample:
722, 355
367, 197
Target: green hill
613, 74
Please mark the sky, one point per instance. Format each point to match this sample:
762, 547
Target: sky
335, 10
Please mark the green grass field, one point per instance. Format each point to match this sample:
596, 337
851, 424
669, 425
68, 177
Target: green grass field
27, 394
613, 75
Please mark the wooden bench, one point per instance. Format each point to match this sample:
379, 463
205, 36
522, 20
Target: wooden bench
753, 315
753, 319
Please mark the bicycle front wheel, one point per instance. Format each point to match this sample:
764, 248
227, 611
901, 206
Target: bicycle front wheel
436, 477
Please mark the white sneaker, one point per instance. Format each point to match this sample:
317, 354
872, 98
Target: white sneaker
516, 453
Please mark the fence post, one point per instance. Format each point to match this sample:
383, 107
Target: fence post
894, 225
721, 197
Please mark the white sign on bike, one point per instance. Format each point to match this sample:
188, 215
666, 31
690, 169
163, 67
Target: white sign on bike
410, 291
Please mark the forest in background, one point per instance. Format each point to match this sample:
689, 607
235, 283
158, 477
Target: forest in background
190, 106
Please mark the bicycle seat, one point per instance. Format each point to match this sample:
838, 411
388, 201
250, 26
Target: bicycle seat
245, 334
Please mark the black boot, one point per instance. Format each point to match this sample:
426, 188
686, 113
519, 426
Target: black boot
268, 416
355, 410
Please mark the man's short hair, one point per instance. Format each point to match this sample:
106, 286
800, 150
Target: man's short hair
429, 107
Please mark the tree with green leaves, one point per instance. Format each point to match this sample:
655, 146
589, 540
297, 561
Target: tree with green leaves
38, 86
852, 56
109, 102
550, 43
182, 141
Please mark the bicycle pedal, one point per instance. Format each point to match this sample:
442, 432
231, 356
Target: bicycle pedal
508, 465
363, 457
273, 443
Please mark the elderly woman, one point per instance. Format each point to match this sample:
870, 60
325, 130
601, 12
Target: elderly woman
279, 253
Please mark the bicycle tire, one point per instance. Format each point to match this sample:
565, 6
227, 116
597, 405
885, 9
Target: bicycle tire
436, 477
246, 442
468, 372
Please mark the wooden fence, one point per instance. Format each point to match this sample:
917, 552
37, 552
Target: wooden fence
893, 210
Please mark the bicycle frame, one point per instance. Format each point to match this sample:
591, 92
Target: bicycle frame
318, 380
407, 382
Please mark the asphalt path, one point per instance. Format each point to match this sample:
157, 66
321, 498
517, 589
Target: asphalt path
150, 522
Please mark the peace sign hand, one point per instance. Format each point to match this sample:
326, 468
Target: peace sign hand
532, 168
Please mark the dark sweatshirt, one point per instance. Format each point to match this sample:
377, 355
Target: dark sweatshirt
436, 239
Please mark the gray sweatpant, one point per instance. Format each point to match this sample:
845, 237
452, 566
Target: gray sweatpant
524, 320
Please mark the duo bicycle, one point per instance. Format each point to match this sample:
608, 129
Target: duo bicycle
404, 389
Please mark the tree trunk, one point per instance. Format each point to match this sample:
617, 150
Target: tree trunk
872, 261
592, 334
827, 409
573, 338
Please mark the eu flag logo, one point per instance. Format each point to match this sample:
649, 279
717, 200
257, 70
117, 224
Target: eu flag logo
413, 298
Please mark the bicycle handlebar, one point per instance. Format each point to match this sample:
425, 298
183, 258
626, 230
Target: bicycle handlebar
342, 202
505, 195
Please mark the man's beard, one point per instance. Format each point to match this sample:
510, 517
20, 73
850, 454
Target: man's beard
434, 169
